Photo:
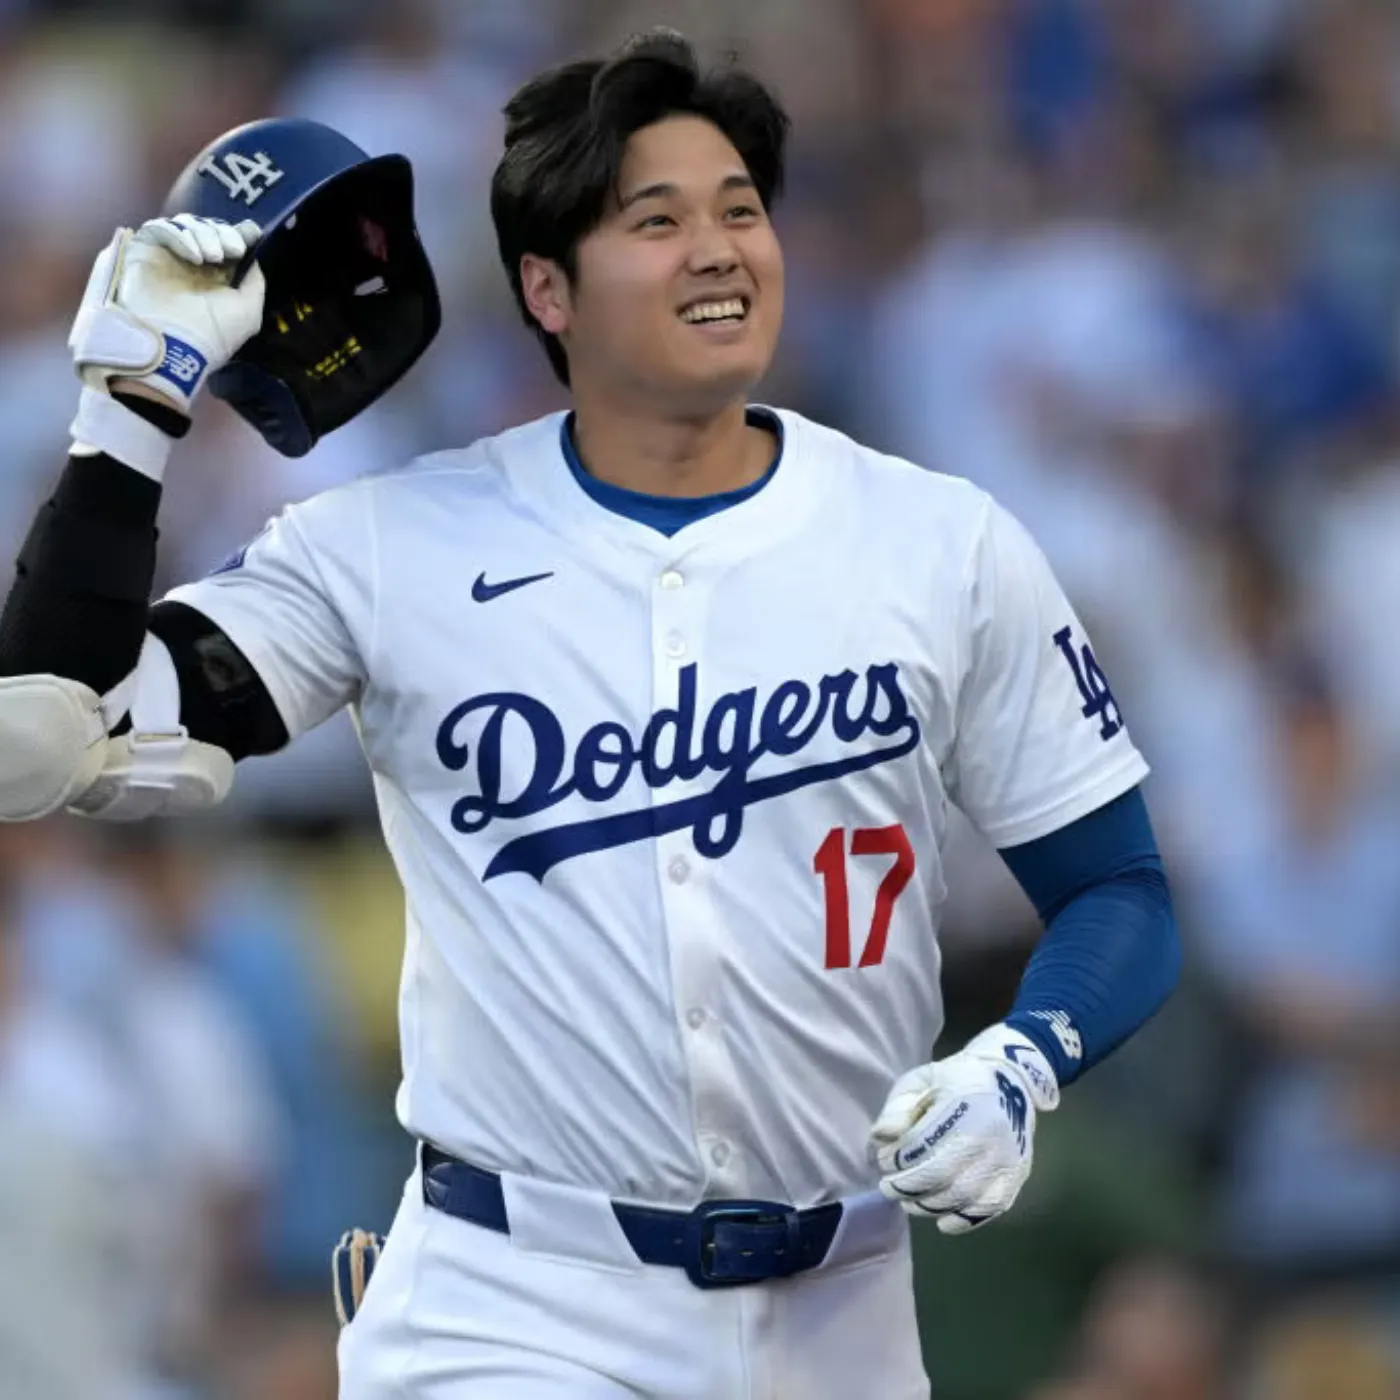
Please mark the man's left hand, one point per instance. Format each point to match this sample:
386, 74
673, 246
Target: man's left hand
955, 1138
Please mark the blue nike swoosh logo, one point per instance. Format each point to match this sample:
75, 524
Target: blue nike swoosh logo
483, 592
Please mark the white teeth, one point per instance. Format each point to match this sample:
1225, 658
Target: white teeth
714, 310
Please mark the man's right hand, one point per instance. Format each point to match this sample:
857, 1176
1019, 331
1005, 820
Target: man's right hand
159, 310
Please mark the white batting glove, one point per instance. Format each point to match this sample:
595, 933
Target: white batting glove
159, 309
955, 1137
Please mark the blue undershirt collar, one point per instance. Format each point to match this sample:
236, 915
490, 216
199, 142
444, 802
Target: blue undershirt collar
668, 514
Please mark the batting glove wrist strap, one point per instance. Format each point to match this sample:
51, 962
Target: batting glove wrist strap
1014, 1051
104, 425
159, 308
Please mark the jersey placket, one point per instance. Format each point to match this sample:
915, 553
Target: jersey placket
694, 938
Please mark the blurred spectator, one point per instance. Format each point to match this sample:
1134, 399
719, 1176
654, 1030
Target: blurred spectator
1331, 1353
207, 1085
1301, 920
70, 147
1349, 213
283, 1352
70, 1220
174, 1101
1347, 561
1282, 348
38, 297
1152, 1331
252, 936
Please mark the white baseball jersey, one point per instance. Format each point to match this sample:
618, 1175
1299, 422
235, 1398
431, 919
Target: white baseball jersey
668, 811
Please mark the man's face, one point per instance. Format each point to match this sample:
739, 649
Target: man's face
679, 291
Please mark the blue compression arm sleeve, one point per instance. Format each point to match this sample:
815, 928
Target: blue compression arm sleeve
1111, 954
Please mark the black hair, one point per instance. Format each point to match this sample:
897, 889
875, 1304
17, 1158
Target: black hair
567, 131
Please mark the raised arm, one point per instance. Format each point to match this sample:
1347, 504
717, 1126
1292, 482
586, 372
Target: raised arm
108, 706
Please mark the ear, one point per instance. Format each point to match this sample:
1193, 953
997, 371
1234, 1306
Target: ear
546, 291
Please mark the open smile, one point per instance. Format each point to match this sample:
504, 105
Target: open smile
721, 311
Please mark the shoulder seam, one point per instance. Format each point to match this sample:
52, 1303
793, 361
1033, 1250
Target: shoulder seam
962, 636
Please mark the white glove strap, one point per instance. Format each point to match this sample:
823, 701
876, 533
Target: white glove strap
113, 341
107, 426
1020, 1054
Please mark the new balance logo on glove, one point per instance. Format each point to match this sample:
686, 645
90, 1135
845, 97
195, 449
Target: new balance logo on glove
1013, 1100
183, 363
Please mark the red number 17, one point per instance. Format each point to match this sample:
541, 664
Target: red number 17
830, 863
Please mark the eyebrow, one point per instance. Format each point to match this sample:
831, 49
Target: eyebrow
665, 190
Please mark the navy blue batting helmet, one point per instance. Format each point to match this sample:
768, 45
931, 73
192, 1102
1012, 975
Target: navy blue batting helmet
351, 298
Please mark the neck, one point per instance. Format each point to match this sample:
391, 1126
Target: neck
671, 457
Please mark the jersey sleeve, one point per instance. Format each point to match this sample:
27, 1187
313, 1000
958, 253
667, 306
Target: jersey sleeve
1040, 740
297, 601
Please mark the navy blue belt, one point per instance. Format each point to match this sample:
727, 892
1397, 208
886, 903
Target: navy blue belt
719, 1244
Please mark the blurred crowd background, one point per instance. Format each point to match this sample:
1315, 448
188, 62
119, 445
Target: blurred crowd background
1133, 265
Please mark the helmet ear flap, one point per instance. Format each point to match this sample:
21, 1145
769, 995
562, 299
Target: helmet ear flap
267, 402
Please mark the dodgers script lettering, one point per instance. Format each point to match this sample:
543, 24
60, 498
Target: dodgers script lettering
729, 741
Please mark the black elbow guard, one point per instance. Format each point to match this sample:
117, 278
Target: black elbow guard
223, 700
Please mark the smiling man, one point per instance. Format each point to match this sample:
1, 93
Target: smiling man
666, 699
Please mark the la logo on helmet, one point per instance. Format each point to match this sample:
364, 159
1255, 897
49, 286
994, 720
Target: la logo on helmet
244, 177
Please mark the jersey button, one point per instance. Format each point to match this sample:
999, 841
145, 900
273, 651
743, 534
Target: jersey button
695, 1017
719, 1153
671, 580
675, 645
679, 870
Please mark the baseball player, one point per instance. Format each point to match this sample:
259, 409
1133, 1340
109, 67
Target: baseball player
666, 699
